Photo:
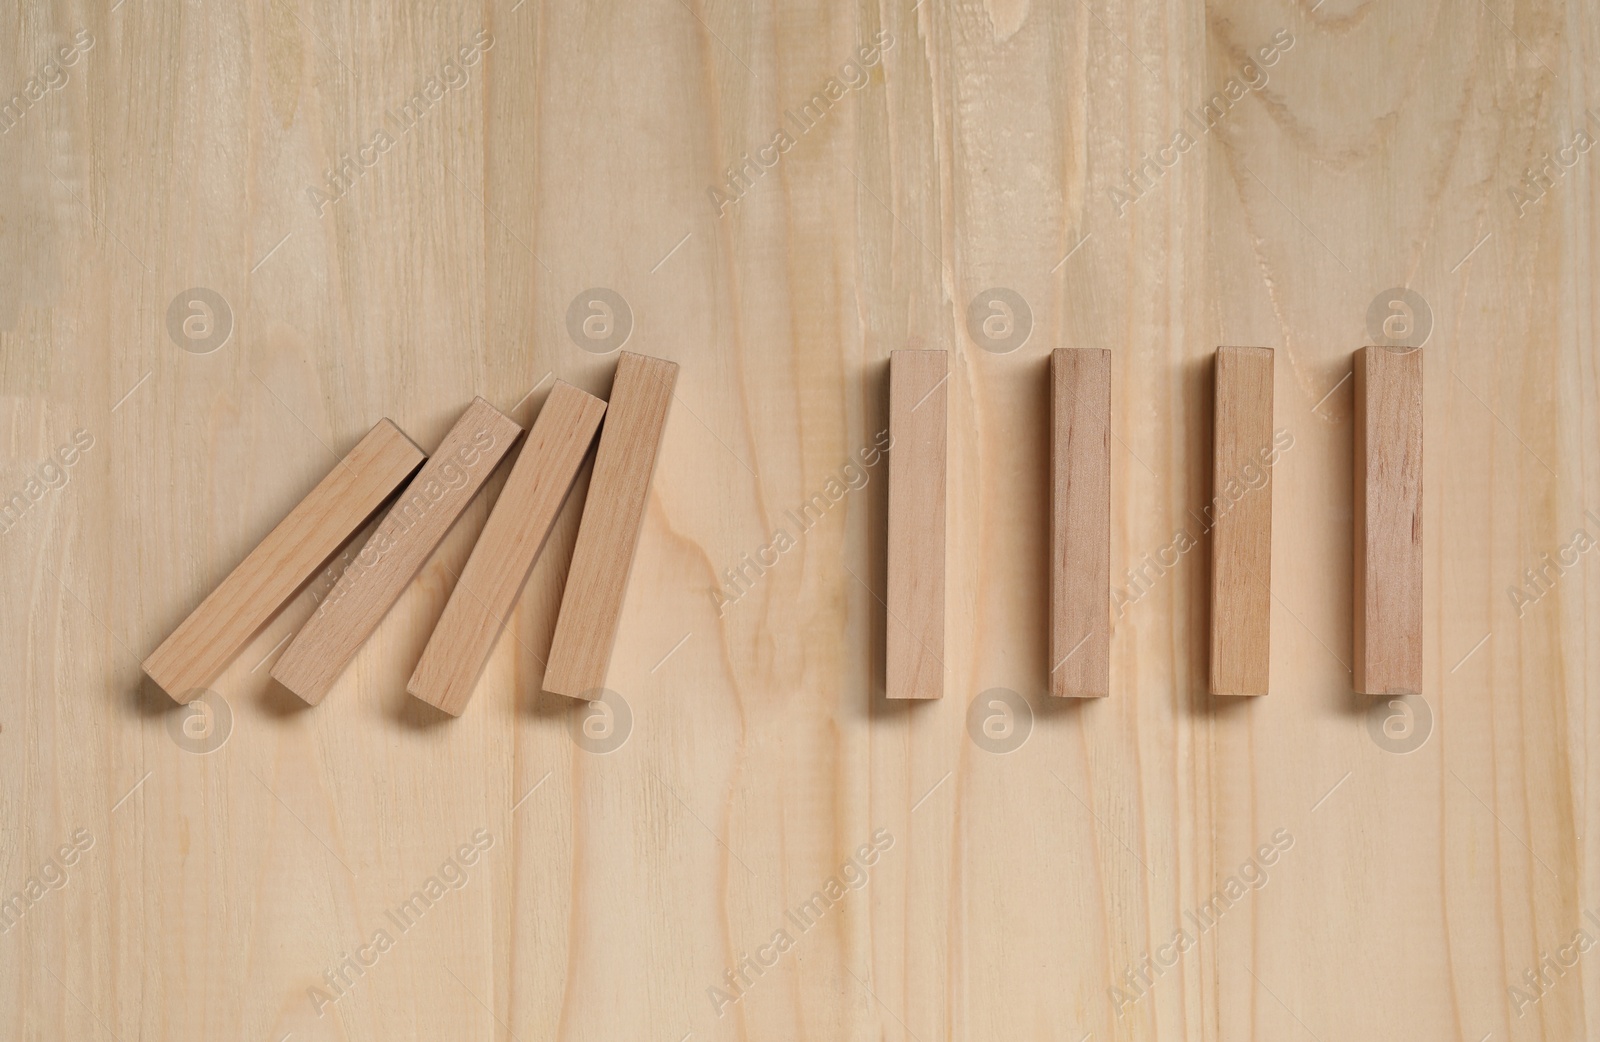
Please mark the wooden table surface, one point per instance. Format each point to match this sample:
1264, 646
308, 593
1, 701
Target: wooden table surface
234, 236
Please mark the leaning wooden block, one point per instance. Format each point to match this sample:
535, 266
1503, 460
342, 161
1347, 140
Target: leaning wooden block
405, 538
200, 648
914, 632
1242, 452
613, 515
1080, 523
504, 554
1387, 540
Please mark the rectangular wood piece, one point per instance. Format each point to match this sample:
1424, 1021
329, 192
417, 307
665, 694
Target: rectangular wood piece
1387, 537
1080, 523
914, 630
1242, 454
613, 516
196, 653
492, 581
405, 538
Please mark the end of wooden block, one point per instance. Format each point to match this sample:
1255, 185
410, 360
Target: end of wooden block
441, 698
155, 669
291, 678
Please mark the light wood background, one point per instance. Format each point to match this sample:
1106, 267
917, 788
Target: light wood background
981, 153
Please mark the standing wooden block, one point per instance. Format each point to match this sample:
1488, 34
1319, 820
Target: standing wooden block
1080, 523
1387, 539
1241, 534
403, 542
504, 554
200, 648
914, 632
613, 515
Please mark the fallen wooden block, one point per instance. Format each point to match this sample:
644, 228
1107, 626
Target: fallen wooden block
405, 538
492, 581
196, 653
613, 515
1241, 533
914, 631
1387, 540
1080, 523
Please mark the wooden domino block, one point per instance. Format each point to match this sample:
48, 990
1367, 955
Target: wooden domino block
914, 630
511, 540
1080, 523
196, 653
1241, 534
1387, 540
405, 538
613, 515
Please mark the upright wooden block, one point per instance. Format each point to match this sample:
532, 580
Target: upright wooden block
1387, 540
200, 648
1241, 534
405, 538
613, 515
914, 631
1080, 523
494, 576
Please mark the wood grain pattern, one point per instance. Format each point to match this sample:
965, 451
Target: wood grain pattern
1386, 537
1241, 513
918, 462
1080, 522
1439, 846
402, 544
300, 545
487, 593
613, 516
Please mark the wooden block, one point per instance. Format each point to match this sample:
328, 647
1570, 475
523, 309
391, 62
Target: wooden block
494, 576
389, 561
914, 631
1241, 534
299, 547
1387, 537
1080, 523
613, 515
